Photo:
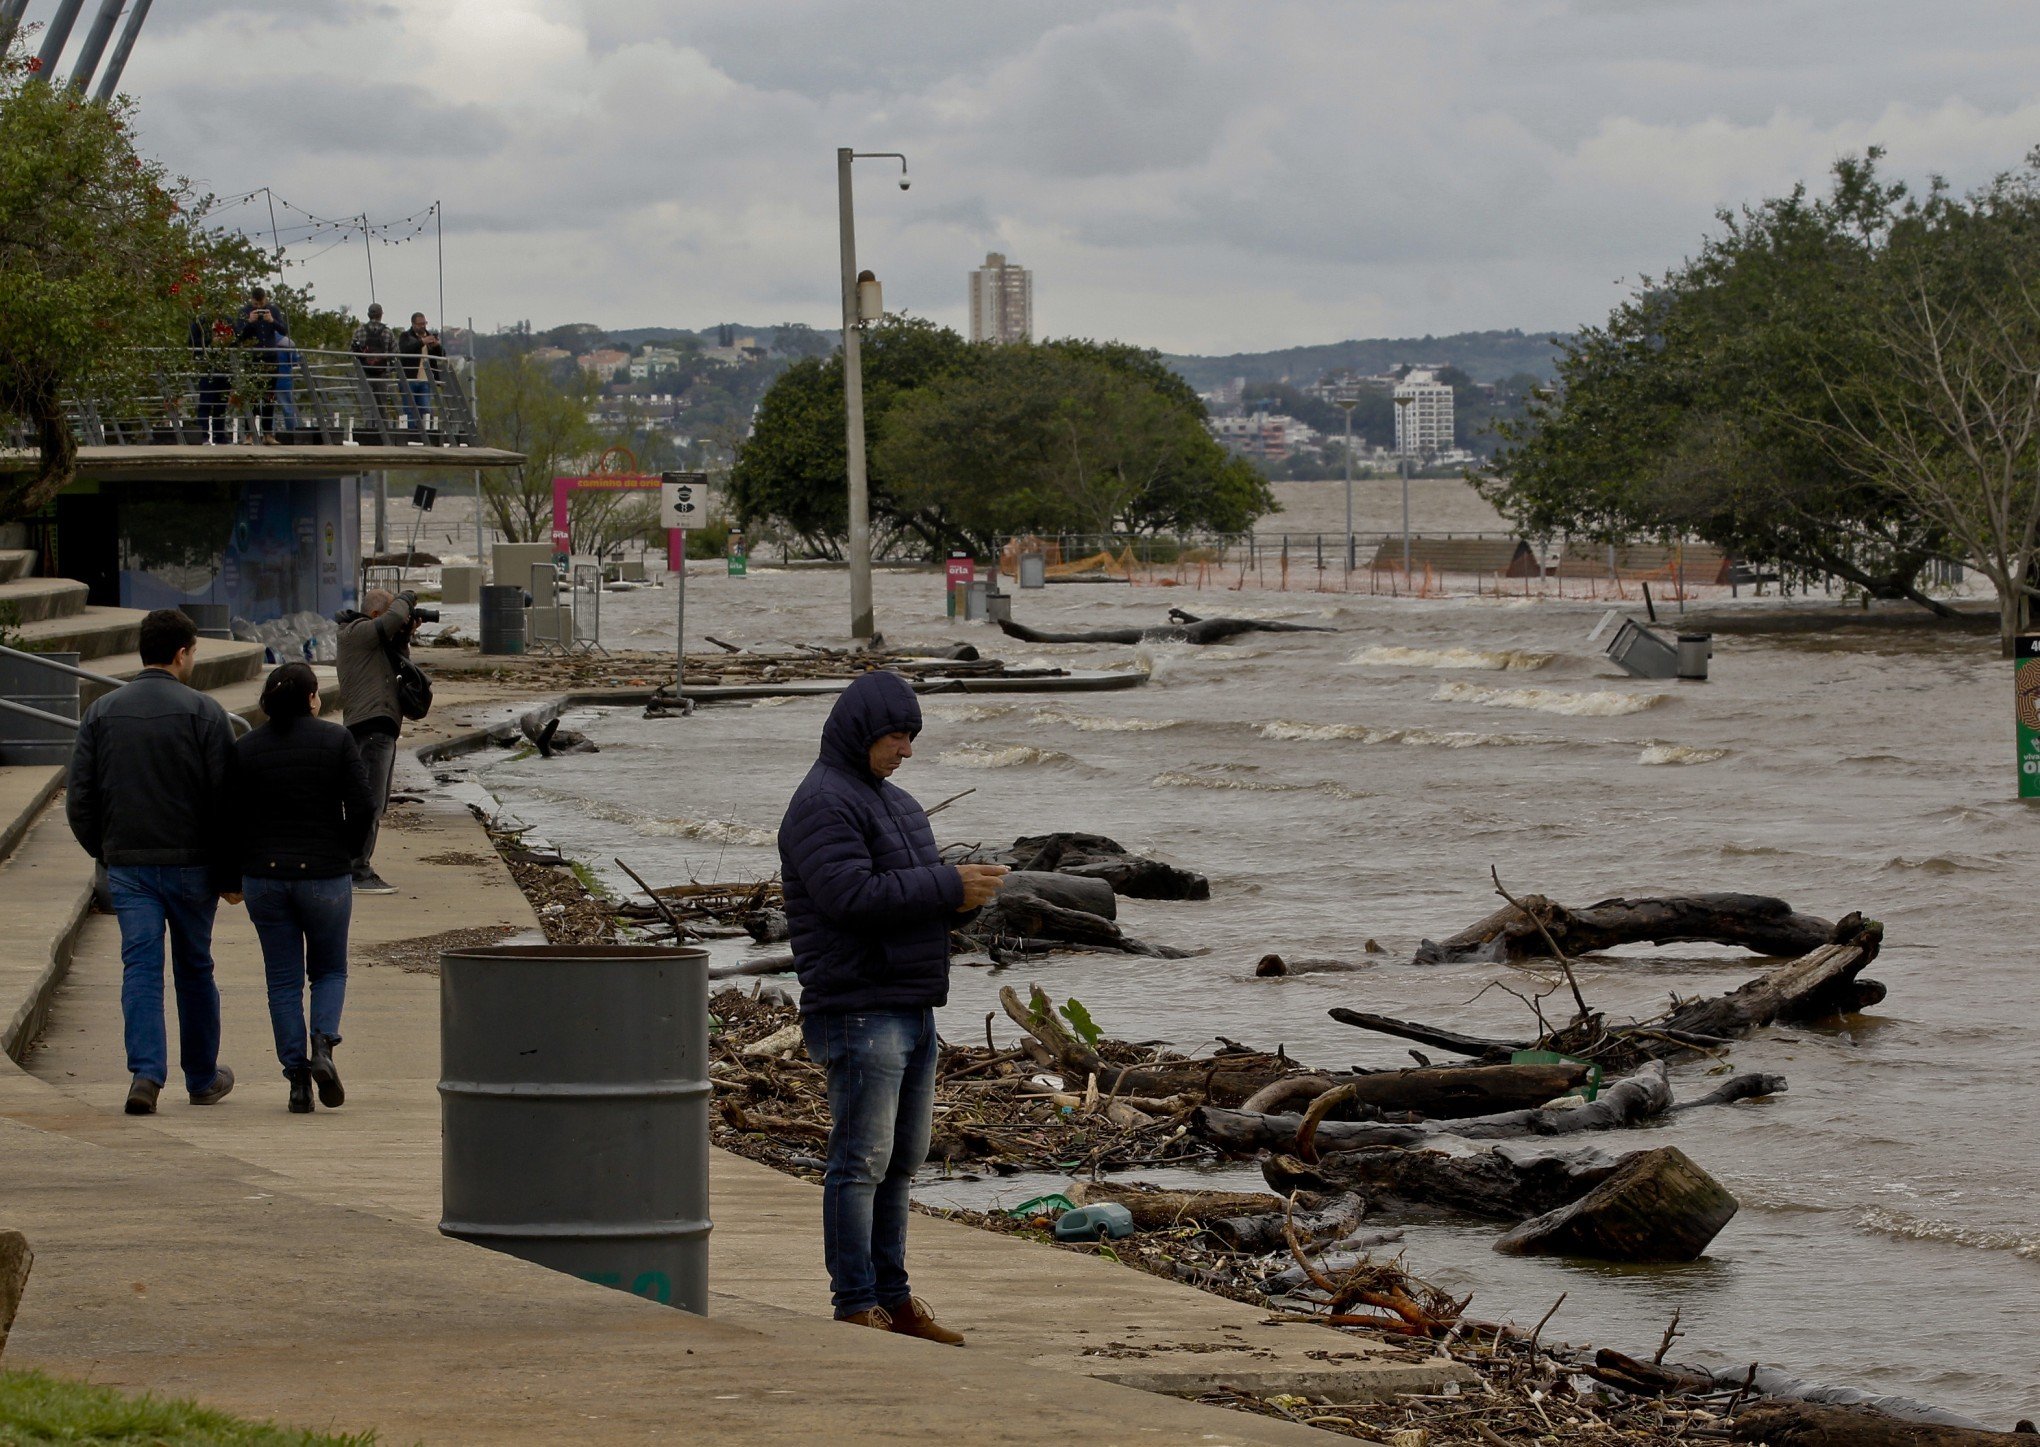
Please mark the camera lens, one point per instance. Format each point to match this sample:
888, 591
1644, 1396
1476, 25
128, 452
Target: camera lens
425, 615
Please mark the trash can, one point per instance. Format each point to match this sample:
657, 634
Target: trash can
25, 740
1694, 651
574, 1111
999, 606
503, 619
1033, 570
974, 602
1642, 653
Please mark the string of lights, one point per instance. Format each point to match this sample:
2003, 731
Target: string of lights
334, 232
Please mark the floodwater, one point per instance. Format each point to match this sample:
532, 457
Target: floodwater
1358, 785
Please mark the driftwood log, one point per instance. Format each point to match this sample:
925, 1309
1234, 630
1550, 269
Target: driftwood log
1656, 1206
1820, 985
1442, 1092
1251, 1222
541, 728
1626, 1103
1181, 628
1817, 1424
1227, 1078
1751, 921
1504, 1183
1093, 856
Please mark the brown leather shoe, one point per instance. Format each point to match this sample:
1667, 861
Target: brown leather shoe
911, 1318
875, 1316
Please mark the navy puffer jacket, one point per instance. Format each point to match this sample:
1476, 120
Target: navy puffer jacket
868, 900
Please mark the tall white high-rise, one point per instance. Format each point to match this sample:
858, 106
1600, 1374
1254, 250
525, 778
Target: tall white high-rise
1423, 414
1001, 301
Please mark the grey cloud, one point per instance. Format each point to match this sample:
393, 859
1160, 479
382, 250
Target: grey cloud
316, 117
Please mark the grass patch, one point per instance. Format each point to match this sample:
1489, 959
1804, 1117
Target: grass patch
36, 1410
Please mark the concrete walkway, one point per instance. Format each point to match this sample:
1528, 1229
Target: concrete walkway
288, 1266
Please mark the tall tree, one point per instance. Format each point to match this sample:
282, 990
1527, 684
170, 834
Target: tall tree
528, 408
102, 254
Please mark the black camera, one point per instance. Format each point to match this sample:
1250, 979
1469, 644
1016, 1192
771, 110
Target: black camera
424, 615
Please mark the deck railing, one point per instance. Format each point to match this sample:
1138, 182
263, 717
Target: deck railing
300, 396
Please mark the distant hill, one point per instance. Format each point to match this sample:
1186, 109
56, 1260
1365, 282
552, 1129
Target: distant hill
1484, 356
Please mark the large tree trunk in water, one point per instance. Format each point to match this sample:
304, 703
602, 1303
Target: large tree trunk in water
1817, 1424
1503, 1183
1657, 1206
1625, 1103
1441, 1092
1751, 921
1818, 986
1185, 628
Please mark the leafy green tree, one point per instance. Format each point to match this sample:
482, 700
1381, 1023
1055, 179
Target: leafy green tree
1702, 405
526, 407
102, 254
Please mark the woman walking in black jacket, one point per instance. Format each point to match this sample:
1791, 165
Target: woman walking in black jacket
304, 810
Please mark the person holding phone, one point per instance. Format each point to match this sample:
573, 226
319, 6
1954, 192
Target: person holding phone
869, 905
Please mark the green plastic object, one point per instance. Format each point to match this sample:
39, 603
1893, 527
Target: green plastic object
1551, 1057
1056, 1202
1094, 1223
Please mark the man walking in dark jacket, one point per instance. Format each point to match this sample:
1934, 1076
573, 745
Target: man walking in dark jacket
869, 904
147, 797
369, 644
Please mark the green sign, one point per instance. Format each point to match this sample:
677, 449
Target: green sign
738, 560
2027, 693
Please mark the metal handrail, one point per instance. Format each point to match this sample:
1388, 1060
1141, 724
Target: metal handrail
234, 720
247, 394
35, 713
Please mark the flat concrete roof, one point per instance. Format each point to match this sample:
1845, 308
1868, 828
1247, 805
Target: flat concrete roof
207, 463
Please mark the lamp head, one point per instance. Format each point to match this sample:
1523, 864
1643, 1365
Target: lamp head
905, 181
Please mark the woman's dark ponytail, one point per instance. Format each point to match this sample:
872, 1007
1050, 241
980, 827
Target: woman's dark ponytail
288, 693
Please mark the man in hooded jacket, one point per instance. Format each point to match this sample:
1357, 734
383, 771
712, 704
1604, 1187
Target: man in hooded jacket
869, 904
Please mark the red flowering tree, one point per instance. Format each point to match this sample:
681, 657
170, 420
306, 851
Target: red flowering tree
101, 253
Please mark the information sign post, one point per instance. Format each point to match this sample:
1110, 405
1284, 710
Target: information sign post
684, 499
962, 573
2026, 692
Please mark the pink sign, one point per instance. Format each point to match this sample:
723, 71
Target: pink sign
962, 572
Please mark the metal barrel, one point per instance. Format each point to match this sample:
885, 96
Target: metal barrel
574, 1111
1694, 651
25, 740
503, 619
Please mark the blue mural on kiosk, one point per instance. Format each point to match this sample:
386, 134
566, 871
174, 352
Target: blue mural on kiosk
265, 549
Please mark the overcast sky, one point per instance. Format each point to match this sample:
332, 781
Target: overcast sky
1204, 176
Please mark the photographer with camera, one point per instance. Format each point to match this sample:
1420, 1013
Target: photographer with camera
419, 353
263, 327
379, 688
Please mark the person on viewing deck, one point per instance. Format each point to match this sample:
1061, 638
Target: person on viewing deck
870, 904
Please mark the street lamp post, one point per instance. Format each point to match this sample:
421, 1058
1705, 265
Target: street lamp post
862, 628
1402, 444
1346, 399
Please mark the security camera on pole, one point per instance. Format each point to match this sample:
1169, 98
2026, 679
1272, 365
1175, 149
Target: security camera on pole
861, 303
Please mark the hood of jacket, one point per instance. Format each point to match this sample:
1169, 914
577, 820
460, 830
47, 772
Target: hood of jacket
874, 705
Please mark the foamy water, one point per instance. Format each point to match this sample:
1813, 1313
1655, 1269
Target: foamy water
1599, 703
1501, 660
1331, 804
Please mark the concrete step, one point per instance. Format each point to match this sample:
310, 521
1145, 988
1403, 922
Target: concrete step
16, 563
91, 634
220, 663
45, 894
24, 790
245, 698
31, 600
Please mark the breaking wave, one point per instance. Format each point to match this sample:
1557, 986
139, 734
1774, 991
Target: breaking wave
1944, 864
1326, 787
1601, 703
1098, 723
1877, 1220
1664, 753
1289, 730
713, 831
1500, 659
967, 712
993, 756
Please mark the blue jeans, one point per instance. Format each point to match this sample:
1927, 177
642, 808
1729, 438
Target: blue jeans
147, 899
417, 400
302, 924
881, 1068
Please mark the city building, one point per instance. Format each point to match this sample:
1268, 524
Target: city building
603, 361
1423, 415
1001, 301
1268, 435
